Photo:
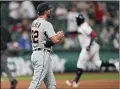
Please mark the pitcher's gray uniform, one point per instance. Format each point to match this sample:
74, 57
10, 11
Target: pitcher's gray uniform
41, 59
43, 38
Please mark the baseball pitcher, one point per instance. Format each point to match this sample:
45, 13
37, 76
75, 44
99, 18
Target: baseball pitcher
43, 38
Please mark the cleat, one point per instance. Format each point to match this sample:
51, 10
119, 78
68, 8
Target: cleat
69, 83
75, 85
13, 84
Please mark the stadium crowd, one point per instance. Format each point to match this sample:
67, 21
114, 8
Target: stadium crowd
17, 16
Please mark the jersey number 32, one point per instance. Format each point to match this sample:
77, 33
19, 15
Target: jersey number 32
34, 35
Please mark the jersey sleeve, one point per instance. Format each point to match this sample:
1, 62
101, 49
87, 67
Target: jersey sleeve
48, 28
86, 28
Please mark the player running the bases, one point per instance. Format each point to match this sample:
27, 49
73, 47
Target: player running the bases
90, 50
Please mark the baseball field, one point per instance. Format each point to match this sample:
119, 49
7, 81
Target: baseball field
88, 81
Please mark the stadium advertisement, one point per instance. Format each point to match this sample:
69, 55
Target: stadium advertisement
61, 62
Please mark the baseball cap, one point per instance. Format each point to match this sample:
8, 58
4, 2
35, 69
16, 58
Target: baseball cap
80, 19
80, 16
42, 7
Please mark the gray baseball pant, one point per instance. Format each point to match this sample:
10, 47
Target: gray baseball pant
4, 66
41, 62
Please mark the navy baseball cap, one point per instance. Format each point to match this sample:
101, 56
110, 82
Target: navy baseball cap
80, 19
42, 7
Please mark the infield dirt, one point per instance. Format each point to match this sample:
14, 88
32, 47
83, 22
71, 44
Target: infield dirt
84, 84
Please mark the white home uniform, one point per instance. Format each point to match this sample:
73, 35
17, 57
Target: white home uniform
40, 58
85, 34
84, 39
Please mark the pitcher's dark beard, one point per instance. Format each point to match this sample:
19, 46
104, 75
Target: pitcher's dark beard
48, 16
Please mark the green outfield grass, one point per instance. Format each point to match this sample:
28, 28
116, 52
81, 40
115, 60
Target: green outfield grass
89, 76
70, 76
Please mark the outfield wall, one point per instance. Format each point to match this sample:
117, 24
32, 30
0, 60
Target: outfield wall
62, 61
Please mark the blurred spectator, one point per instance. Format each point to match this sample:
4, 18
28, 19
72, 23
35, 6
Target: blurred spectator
24, 41
82, 8
115, 19
61, 12
91, 13
28, 10
19, 27
70, 42
26, 24
116, 41
111, 30
115, 37
82, 5
13, 46
91, 10
71, 19
107, 19
14, 11
102, 16
105, 36
99, 12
